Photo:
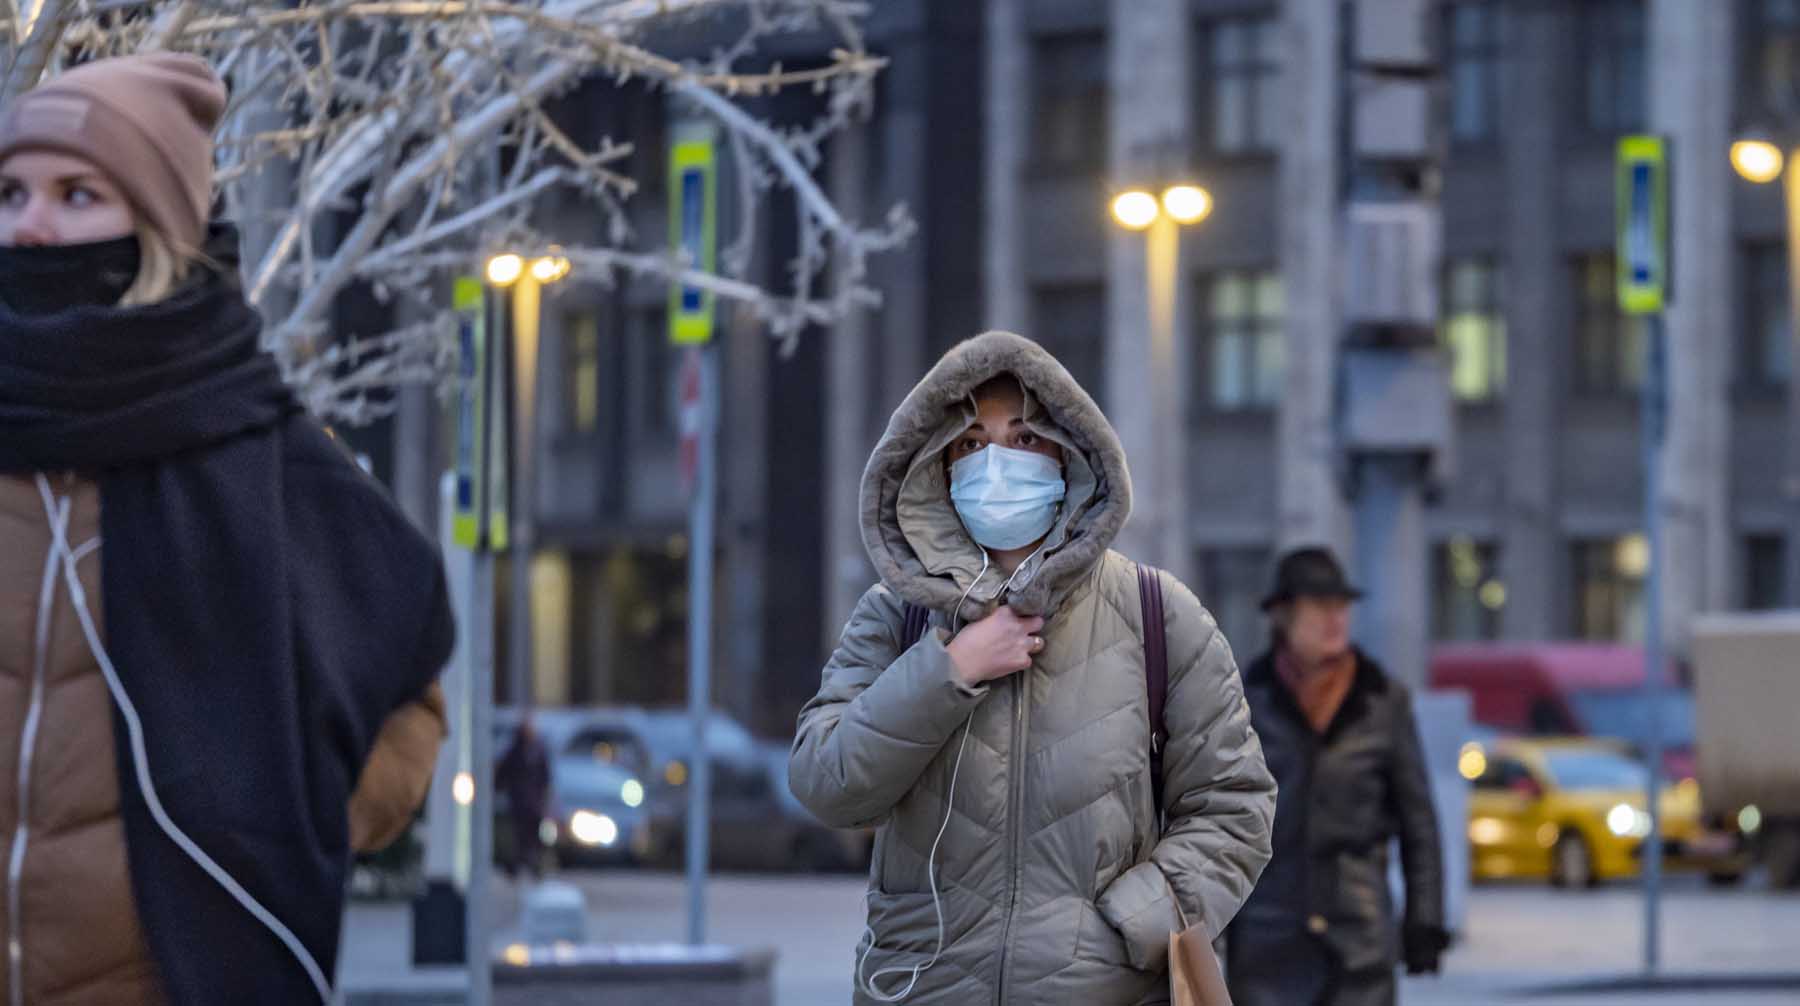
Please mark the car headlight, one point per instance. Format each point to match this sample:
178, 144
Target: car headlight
632, 793
1621, 820
1750, 819
590, 828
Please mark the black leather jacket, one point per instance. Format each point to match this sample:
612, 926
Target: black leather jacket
1343, 797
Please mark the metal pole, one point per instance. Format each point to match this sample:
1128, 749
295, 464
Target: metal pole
479, 625
1654, 416
700, 592
1791, 190
1162, 250
522, 300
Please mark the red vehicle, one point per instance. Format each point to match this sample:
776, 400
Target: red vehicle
1560, 689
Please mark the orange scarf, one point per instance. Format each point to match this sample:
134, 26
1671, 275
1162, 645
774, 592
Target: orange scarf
1320, 690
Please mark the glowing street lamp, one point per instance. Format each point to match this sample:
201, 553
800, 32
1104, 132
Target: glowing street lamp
1135, 209
505, 270
1186, 204
1182, 203
549, 269
1756, 160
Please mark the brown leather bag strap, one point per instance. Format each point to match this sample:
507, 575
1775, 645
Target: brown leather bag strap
1156, 672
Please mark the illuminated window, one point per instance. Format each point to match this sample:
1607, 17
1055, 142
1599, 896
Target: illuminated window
1468, 595
1609, 588
1609, 343
1474, 328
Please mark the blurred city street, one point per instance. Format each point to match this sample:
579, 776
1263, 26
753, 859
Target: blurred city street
1521, 939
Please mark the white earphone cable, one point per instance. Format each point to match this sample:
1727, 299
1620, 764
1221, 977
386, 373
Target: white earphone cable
867, 982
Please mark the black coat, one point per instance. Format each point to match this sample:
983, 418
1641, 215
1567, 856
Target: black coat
1344, 796
267, 608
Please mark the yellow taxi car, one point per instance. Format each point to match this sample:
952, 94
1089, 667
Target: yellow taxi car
1572, 811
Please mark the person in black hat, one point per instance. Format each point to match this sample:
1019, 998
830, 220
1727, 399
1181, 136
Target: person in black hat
1340, 738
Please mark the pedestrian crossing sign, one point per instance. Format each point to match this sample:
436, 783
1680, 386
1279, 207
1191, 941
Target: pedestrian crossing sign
1643, 222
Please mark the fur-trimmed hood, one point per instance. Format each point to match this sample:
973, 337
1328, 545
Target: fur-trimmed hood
918, 544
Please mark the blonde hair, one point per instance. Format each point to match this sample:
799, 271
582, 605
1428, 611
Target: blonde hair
162, 266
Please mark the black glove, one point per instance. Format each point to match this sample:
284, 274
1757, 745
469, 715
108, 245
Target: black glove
1424, 946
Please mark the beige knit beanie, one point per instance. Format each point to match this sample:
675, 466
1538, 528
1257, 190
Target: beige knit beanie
146, 121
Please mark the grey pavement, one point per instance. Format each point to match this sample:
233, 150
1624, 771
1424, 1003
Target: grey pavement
1519, 939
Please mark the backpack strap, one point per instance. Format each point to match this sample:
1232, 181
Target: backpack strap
912, 628
1156, 672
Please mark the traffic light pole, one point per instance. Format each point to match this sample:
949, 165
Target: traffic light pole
700, 589
1655, 415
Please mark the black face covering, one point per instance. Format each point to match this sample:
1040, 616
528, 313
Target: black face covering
45, 279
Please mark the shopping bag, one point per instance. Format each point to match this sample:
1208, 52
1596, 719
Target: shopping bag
1194, 975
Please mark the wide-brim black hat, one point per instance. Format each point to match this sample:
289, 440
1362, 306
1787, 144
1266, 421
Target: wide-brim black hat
1309, 572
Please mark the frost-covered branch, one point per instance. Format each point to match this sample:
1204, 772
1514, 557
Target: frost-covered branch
393, 142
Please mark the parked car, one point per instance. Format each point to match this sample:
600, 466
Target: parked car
1568, 689
1572, 811
654, 748
597, 809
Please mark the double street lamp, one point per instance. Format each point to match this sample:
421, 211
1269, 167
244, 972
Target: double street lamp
521, 282
1137, 209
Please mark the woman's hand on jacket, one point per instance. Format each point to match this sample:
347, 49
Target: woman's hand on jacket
1002, 643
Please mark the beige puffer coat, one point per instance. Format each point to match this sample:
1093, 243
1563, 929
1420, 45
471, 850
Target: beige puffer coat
69, 931
1054, 883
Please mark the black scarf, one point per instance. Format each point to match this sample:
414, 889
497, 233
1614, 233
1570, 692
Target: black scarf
266, 604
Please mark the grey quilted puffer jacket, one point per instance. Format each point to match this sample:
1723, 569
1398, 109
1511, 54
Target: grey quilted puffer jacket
1055, 886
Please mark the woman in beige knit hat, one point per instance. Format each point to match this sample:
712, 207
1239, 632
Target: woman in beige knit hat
183, 781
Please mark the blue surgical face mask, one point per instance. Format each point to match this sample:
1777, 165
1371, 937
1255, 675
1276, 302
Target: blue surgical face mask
1006, 498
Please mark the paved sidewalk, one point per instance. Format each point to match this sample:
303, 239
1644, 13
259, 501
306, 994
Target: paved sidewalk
1520, 939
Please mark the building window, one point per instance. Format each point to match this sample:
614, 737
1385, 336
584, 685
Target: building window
658, 370
1068, 100
1765, 569
1474, 328
1766, 357
1475, 47
581, 371
1070, 322
1609, 344
1772, 60
1610, 47
1242, 342
1241, 88
1468, 595
1232, 583
1609, 588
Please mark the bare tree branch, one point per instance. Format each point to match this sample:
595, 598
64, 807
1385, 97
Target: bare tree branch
363, 138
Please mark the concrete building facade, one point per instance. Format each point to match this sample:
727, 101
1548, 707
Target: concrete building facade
1005, 126
1538, 535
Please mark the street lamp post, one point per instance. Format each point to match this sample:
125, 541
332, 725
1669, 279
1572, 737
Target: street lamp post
1759, 160
1161, 220
521, 283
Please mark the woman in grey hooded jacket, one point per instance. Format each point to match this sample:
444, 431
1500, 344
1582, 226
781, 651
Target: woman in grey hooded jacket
1005, 755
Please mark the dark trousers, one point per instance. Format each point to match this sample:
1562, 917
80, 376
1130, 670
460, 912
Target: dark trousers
528, 846
1300, 970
